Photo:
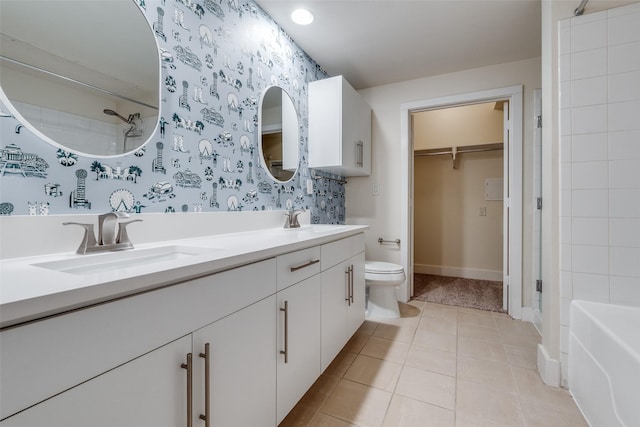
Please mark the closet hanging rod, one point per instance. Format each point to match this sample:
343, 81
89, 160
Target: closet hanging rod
458, 150
78, 82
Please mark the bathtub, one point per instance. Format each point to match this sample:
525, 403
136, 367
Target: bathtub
604, 363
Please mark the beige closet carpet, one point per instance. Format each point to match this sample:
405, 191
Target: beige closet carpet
480, 294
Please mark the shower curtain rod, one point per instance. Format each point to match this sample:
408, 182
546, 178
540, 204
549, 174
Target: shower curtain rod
580, 9
69, 79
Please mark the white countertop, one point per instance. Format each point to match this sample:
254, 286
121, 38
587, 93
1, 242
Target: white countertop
29, 292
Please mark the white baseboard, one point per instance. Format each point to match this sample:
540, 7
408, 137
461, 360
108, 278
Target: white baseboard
466, 273
548, 368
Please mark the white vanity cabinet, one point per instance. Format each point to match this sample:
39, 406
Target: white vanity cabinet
339, 128
241, 358
149, 391
298, 327
58, 363
342, 293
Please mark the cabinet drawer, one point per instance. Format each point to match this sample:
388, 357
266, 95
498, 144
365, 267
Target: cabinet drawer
340, 250
296, 266
46, 357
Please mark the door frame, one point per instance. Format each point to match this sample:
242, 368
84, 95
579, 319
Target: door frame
513, 163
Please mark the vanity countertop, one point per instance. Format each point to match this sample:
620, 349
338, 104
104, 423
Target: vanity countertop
29, 291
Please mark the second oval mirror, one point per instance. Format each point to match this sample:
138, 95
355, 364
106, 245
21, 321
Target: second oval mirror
278, 137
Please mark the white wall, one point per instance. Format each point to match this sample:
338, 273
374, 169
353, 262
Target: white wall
599, 161
382, 211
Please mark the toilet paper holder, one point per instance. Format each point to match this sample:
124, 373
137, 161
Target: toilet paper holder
381, 241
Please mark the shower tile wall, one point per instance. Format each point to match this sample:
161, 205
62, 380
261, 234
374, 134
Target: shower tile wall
213, 166
600, 160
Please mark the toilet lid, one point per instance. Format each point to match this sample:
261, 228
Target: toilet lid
380, 267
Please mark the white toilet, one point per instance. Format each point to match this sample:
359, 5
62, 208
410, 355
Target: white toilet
382, 278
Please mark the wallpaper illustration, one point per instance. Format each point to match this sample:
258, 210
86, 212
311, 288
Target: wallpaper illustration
217, 58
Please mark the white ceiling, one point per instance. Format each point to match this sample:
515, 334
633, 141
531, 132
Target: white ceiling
378, 42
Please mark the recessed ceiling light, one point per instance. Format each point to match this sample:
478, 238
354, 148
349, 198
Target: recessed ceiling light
302, 17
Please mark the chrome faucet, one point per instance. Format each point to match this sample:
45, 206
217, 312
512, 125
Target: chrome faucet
292, 218
108, 238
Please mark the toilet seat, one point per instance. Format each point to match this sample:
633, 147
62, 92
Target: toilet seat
383, 273
381, 267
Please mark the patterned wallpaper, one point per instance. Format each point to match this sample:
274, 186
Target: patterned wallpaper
217, 58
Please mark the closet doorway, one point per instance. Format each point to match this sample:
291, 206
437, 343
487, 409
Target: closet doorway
512, 186
458, 210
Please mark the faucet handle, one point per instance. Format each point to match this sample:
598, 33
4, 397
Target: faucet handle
89, 239
123, 237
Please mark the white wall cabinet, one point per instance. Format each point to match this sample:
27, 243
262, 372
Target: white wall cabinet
339, 128
124, 363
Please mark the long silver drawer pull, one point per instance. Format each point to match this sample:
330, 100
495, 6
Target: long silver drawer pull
315, 261
348, 298
351, 282
207, 386
285, 352
189, 367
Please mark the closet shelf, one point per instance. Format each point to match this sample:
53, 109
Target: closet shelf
454, 151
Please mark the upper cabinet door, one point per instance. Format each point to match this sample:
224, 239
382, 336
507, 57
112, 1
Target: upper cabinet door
339, 128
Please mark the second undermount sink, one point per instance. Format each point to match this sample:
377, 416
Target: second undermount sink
112, 261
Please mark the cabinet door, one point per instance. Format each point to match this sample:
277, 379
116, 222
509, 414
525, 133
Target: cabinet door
356, 311
335, 302
150, 391
299, 335
242, 361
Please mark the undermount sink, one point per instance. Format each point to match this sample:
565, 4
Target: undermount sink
111, 261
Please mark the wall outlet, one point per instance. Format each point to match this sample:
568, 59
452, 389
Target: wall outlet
376, 189
309, 186
483, 211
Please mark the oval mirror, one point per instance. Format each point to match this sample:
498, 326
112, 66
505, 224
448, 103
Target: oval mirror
278, 137
83, 75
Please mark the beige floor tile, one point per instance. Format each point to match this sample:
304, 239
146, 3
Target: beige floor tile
464, 420
409, 310
476, 319
395, 333
479, 332
300, 416
324, 420
511, 326
403, 322
499, 315
522, 357
430, 359
428, 387
475, 311
357, 403
406, 412
381, 348
531, 387
492, 375
319, 391
374, 372
522, 340
480, 349
562, 412
341, 363
416, 303
439, 311
474, 402
357, 341
367, 327
444, 342
442, 325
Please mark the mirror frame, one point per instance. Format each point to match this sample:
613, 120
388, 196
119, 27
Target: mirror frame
263, 160
31, 128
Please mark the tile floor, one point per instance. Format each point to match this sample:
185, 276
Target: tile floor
438, 366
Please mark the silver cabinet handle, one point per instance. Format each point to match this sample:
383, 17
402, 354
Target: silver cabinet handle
298, 267
207, 386
348, 298
285, 352
189, 367
351, 282
360, 154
